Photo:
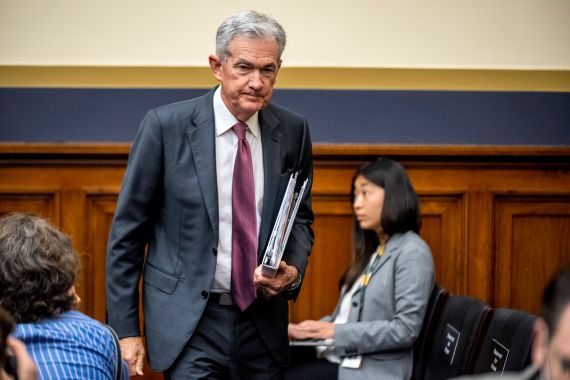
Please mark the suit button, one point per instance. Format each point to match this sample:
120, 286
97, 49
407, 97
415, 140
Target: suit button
204, 294
215, 251
355, 304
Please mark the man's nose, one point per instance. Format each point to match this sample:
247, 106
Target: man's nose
255, 80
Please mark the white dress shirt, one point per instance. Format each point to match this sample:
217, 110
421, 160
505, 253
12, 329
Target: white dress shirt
226, 147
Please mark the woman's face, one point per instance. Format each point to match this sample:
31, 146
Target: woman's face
367, 205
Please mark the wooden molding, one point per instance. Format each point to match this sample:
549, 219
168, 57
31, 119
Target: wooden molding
321, 152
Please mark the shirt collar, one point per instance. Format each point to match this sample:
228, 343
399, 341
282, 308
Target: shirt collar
225, 120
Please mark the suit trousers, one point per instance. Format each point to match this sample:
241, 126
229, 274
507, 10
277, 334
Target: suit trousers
225, 346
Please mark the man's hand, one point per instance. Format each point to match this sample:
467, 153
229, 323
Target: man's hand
270, 287
132, 351
311, 330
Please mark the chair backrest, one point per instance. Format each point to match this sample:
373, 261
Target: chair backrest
507, 343
434, 310
462, 323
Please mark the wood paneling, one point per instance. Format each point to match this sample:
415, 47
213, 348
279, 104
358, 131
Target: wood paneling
329, 258
533, 240
443, 229
100, 211
35, 201
496, 218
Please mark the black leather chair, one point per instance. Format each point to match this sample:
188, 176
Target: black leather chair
507, 343
434, 310
462, 323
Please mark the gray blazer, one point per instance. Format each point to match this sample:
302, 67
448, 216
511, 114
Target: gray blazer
168, 204
392, 312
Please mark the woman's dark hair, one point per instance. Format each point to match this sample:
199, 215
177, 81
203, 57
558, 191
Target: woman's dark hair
37, 268
400, 212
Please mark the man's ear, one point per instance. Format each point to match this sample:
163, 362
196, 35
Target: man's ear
216, 66
77, 299
540, 343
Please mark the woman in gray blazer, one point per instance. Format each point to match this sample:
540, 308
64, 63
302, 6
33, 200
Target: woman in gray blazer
384, 292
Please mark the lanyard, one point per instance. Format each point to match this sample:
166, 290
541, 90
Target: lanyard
365, 277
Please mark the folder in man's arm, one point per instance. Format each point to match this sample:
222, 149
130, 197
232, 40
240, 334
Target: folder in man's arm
271, 251
282, 227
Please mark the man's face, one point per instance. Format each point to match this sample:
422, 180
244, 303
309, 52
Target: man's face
247, 75
557, 350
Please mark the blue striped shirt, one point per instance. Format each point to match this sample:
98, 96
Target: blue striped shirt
71, 346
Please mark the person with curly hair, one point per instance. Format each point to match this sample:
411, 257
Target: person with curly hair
38, 268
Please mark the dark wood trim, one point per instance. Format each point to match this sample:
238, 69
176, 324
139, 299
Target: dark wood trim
321, 152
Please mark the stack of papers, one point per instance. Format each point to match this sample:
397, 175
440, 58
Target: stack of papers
282, 227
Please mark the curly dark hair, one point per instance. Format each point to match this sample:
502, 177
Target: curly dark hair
38, 267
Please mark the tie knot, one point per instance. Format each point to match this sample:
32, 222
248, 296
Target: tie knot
239, 129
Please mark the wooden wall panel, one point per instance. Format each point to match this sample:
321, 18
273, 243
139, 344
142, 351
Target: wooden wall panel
39, 202
100, 211
443, 229
533, 241
330, 257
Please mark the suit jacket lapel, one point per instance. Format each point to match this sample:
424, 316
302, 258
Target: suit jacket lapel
270, 141
391, 247
201, 134
386, 256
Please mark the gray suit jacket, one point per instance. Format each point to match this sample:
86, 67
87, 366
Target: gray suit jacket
168, 204
392, 312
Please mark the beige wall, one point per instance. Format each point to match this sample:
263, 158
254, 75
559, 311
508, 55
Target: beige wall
503, 34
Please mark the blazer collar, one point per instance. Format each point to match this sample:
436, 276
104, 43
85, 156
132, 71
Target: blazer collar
390, 250
271, 142
201, 135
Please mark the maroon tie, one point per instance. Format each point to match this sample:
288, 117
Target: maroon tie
244, 223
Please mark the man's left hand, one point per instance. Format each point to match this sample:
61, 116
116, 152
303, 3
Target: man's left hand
269, 287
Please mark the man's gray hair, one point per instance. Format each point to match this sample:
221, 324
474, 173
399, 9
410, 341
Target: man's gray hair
249, 24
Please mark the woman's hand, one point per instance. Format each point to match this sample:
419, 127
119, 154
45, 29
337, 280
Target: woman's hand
310, 329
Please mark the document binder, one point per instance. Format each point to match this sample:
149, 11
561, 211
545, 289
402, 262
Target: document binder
282, 227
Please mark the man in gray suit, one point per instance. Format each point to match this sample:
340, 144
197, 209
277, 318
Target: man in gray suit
551, 347
178, 201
